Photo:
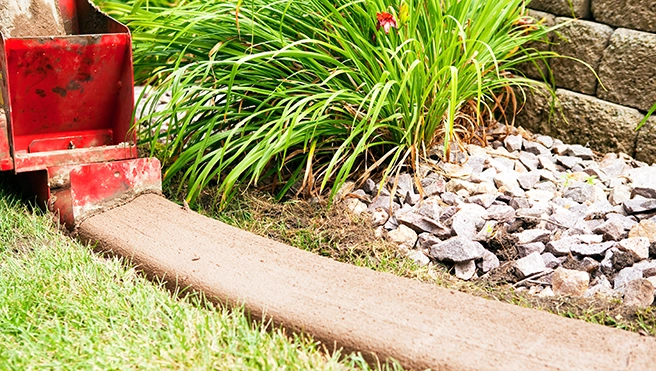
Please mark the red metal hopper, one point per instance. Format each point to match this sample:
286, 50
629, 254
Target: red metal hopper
68, 98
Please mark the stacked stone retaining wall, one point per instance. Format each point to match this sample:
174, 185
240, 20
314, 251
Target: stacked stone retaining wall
617, 39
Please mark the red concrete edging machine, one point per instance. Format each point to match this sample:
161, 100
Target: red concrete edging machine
67, 92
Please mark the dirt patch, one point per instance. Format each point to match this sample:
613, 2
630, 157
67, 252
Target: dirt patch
31, 18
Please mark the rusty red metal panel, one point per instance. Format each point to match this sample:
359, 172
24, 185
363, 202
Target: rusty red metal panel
69, 84
68, 11
43, 160
6, 162
100, 185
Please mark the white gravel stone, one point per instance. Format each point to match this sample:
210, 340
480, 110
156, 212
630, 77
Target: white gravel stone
403, 236
490, 261
533, 235
457, 250
513, 143
625, 276
639, 293
569, 282
638, 246
419, 257
465, 270
530, 264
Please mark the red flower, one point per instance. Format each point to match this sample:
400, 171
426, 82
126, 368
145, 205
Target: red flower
386, 21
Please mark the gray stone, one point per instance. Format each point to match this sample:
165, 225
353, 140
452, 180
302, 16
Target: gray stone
519, 203
411, 198
535, 115
639, 293
614, 167
370, 186
620, 194
451, 198
536, 149
379, 217
612, 230
403, 236
625, 276
391, 223
356, 206
562, 246
383, 202
550, 260
422, 224
426, 240
451, 170
547, 163
635, 206
638, 246
545, 140
418, 257
529, 248
538, 195
635, 14
465, 270
457, 185
568, 162
528, 180
585, 41
529, 160
513, 143
590, 265
643, 181
502, 214
507, 179
485, 199
646, 228
570, 282
486, 232
607, 262
404, 183
533, 235
433, 186
486, 188
580, 151
602, 288
648, 267
626, 222
599, 209
457, 250
530, 265
430, 207
594, 249
490, 261
628, 69
569, 8
580, 192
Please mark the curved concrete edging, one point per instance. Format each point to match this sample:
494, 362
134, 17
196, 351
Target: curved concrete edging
420, 325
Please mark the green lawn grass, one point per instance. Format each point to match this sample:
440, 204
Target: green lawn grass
64, 308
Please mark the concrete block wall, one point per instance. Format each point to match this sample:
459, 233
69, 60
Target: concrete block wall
617, 39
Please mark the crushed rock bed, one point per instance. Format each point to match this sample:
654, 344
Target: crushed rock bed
549, 217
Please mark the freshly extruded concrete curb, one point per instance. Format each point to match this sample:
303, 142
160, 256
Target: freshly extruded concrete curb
420, 325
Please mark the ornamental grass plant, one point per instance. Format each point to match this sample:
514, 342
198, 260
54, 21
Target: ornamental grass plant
305, 94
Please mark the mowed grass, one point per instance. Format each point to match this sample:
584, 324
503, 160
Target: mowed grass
64, 308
